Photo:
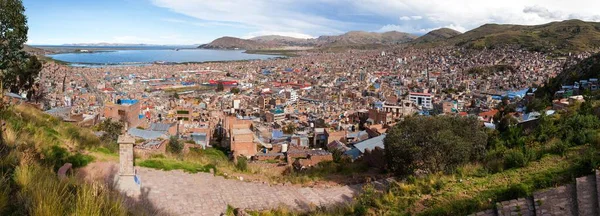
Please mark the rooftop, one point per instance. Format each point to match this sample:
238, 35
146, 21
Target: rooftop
241, 131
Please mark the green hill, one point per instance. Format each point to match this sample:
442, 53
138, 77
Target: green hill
556, 37
437, 35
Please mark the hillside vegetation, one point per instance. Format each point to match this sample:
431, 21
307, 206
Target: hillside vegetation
436, 35
556, 37
33, 147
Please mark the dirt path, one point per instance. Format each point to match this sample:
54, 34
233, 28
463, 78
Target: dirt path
204, 194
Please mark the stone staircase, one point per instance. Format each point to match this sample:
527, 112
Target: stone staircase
579, 199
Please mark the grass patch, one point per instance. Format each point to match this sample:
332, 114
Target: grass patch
170, 164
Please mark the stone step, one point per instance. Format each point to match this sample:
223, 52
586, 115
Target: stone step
587, 196
489, 212
521, 206
556, 201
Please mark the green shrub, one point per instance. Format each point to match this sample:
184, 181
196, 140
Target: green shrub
558, 147
242, 163
175, 146
79, 160
514, 159
515, 191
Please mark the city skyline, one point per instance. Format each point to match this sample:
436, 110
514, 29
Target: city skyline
195, 22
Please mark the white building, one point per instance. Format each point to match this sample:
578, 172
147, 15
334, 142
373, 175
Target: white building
422, 99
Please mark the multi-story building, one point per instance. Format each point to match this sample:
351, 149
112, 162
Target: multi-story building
275, 115
423, 100
127, 111
241, 138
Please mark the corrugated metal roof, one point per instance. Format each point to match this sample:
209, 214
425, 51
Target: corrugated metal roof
370, 143
160, 127
146, 134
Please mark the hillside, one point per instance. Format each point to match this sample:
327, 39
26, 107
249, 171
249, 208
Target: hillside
556, 37
350, 39
585, 69
35, 50
437, 35
365, 38
236, 43
33, 146
284, 40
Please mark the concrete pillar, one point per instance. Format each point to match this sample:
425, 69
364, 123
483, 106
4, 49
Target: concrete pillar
126, 155
126, 180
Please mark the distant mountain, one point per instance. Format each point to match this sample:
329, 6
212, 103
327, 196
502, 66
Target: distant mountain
556, 37
284, 40
437, 35
362, 38
34, 50
237, 43
275, 41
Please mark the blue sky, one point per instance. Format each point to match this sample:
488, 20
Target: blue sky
201, 21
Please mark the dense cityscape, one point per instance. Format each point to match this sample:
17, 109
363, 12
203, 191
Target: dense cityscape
494, 119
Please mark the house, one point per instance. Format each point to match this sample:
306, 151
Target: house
241, 138
127, 111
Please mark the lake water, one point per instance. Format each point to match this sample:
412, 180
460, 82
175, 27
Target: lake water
132, 56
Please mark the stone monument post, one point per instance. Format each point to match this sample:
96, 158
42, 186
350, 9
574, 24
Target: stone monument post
125, 180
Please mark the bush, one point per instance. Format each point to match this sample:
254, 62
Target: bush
79, 160
242, 163
434, 144
515, 191
175, 146
514, 159
57, 156
557, 147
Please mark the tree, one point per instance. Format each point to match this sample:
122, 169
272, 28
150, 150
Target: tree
434, 144
112, 130
235, 90
175, 146
289, 129
18, 69
220, 87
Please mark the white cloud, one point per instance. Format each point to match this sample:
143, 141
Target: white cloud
414, 16
263, 15
288, 34
557, 15
473, 13
407, 18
